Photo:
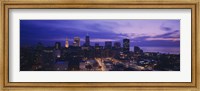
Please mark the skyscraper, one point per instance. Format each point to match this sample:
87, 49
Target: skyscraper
57, 45
87, 40
66, 43
76, 42
57, 51
126, 45
117, 45
108, 45
137, 49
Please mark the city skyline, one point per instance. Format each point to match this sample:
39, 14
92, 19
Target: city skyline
165, 33
99, 45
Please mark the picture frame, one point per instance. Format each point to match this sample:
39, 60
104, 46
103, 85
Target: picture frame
111, 4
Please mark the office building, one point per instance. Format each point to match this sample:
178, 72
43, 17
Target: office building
87, 41
108, 45
57, 45
76, 42
137, 49
126, 45
117, 45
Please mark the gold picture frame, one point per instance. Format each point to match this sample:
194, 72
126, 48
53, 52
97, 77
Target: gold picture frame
150, 86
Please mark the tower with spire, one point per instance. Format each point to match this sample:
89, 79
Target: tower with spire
66, 43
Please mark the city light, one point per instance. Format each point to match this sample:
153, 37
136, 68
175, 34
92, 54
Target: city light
100, 45
74, 57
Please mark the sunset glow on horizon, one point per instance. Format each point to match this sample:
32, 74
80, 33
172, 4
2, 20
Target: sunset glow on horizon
164, 33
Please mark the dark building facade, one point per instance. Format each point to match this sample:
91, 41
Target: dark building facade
76, 42
108, 45
126, 45
117, 45
87, 41
57, 45
137, 49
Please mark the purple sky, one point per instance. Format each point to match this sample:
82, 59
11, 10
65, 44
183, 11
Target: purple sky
162, 33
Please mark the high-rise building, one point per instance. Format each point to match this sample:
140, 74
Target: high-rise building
87, 40
57, 45
108, 45
117, 45
66, 43
57, 51
97, 46
126, 45
137, 49
76, 42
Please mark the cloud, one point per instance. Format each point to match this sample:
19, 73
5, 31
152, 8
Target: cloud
170, 25
146, 32
164, 39
102, 40
172, 34
166, 28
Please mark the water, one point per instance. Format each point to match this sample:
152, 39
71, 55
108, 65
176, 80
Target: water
170, 50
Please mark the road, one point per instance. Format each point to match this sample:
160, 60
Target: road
100, 61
